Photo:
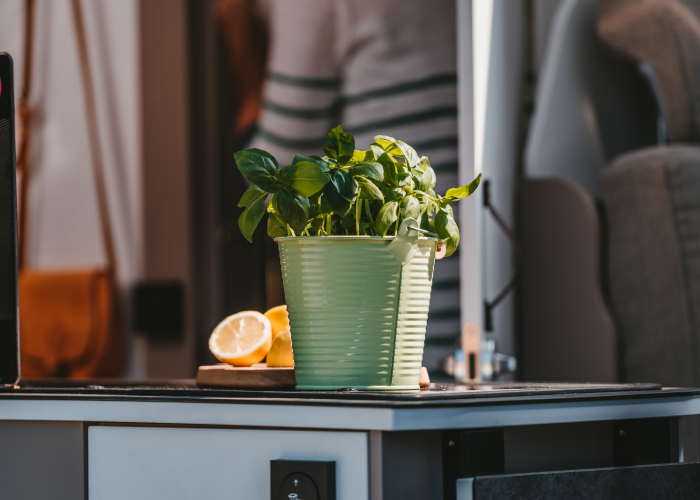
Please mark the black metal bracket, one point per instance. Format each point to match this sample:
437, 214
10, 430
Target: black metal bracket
503, 225
647, 441
470, 453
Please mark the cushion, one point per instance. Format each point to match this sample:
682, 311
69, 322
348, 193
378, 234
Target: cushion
652, 207
666, 35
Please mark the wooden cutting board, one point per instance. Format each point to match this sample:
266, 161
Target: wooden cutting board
258, 376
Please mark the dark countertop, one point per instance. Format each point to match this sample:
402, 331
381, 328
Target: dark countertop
441, 394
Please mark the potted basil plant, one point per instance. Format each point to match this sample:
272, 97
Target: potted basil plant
358, 233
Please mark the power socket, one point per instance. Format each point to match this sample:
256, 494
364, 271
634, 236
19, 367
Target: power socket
302, 480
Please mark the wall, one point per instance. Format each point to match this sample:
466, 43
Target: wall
490, 143
64, 229
140, 85
166, 169
64, 225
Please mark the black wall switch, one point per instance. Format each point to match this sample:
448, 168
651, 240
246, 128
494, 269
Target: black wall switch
158, 309
302, 480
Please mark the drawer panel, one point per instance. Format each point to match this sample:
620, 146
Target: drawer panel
660, 482
151, 463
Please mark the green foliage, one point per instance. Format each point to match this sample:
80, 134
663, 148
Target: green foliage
446, 227
308, 178
347, 191
455, 194
345, 184
251, 194
294, 209
316, 160
410, 207
368, 191
251, 216
386, 217
371, 170
260, 168
339, 145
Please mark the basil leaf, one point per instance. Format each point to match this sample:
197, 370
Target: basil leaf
250, 218
361, 156
333, 202
464, 191
377, 150
433, 177
316, 160
386, 217
405, 150
308, 178
368, 191
424, 164
284, 176
339, 145
344, 183
431, 226
447, 228
326, 206
330, 161
251, 194
406, 180
424, 179
395, 194
259, 167
294, 208
316, 224
387, 144
371, 170
314, 211
410, 208
425, 221
348, 221
272, 206
389, 168
275, 228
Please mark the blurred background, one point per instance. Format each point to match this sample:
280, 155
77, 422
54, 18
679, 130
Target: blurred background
578, 259
179, 87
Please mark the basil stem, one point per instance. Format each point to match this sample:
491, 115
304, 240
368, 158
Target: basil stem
358, 209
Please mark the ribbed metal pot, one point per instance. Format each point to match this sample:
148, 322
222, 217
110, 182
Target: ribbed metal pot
357, 317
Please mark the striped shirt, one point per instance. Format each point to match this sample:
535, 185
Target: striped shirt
376, 67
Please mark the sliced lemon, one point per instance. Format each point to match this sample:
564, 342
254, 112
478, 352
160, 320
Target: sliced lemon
281, 350
278, 318
242, 339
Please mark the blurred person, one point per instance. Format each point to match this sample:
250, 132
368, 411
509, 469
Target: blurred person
375, 66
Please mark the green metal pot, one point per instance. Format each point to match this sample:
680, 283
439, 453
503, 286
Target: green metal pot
358, 308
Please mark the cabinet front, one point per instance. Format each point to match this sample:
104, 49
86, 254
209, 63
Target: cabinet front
184, 463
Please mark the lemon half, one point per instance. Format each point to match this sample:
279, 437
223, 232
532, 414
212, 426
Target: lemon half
242, 339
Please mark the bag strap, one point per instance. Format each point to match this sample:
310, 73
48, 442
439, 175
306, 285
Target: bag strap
26, 115
94, 137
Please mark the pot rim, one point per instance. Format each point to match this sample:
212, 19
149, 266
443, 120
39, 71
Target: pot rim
348, 237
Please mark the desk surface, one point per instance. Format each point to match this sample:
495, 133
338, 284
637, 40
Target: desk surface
446, 406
